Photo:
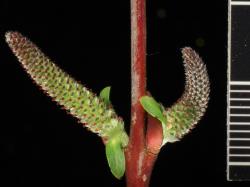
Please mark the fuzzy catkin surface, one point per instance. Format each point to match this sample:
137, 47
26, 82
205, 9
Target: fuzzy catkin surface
73, 96
189, 109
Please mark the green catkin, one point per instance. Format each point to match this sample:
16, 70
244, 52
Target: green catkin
91, 111
188, 110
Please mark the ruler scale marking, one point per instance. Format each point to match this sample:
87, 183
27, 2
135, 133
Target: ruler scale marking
238, 92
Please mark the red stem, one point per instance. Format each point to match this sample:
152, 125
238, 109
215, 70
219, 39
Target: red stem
143, 147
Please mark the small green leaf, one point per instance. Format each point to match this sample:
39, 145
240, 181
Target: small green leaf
105, 93
153, 108
115, 156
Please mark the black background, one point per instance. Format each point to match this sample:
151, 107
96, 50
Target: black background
240, 41
43, 146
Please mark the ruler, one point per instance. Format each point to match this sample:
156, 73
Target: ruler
238, 92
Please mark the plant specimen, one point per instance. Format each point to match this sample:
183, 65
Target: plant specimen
134, 154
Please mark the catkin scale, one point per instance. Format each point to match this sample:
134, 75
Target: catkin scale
80, 102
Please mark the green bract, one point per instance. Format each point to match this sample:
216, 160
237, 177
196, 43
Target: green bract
115, 153
105, 94
153, 108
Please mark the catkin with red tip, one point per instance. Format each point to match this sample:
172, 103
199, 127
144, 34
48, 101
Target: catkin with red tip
75, 98
189, 109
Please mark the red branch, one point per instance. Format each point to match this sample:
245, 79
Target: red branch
143, 146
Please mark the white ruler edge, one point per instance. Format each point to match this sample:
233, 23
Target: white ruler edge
240, 139
238, 164
240, 155
240, 91
242, 115
238, 147
238, 123
241, 131
245, 107
239, 99
240, 3
228, 85
239, 82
